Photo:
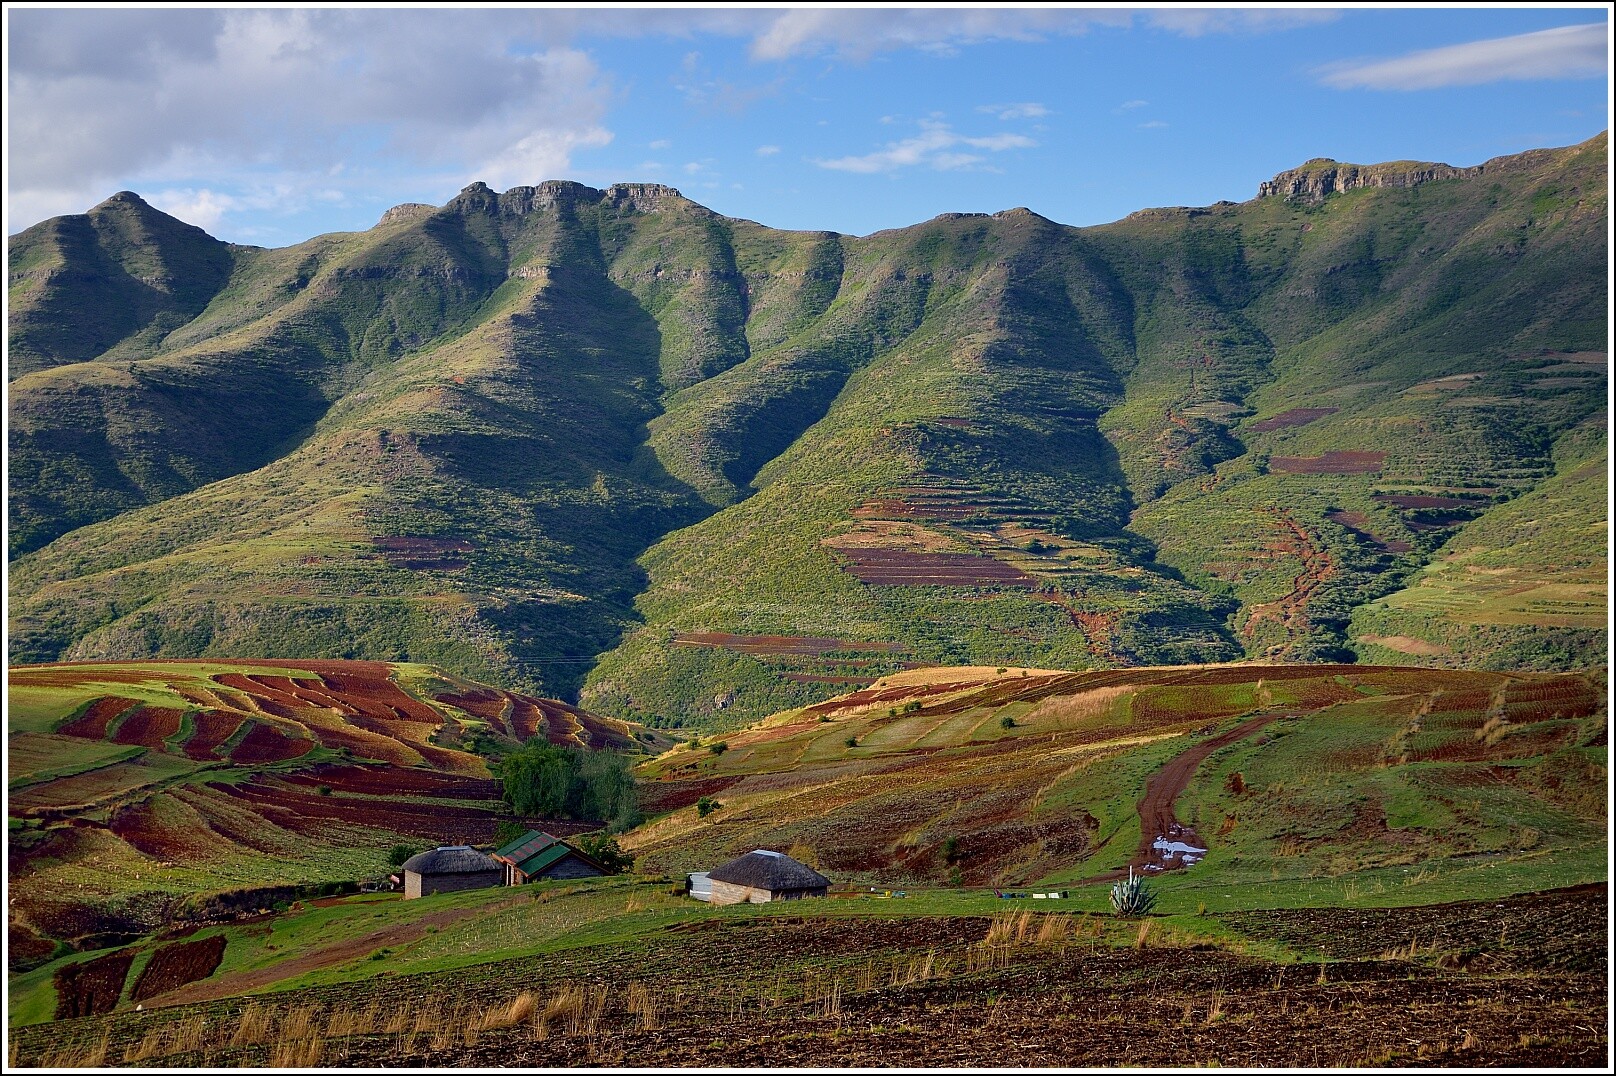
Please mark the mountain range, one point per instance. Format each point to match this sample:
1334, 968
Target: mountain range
611, 446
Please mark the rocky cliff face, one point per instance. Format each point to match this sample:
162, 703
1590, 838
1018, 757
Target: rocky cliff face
1322, 177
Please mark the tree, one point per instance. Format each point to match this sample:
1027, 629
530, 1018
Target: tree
602, 847
398, 854
565, 782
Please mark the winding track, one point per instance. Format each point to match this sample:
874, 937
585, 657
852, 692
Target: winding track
1162, 789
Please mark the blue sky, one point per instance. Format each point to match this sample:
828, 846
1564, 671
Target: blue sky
271, 125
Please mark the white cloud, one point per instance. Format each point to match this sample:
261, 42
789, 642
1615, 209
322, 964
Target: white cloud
863, 32
203, 208
767, 151
1026, 110
937, 146
1563, 52
1150, 125
1129, 106
238, 100
1198, 21
661, 143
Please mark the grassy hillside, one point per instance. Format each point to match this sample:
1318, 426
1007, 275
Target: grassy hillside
1347, 776
612, 447
141, 791
1389, 846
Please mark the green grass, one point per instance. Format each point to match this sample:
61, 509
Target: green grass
651, 423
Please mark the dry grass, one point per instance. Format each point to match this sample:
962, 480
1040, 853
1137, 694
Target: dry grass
513, 1012
252, 1026
1061, 711
643, 1004
576, 1008
183, 1037
70, 1055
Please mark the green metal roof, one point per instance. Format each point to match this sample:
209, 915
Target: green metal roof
544, 858
526, 845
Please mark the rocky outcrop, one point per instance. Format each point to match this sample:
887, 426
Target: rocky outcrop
1322, 177
407, 211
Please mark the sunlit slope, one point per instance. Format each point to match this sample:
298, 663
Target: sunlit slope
1297, 777
143, 786
611, 446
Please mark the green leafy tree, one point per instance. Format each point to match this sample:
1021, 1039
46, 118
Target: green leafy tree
603, 848
565, 782
398, 854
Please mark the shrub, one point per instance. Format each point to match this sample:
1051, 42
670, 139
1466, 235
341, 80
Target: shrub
1132, 897
1007, 722
718, 748
706, 806
400, 853
325, 790
851, 741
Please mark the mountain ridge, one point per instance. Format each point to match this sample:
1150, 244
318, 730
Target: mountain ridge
577, 409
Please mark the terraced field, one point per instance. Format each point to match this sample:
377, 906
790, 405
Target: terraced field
135, 789
1285, 775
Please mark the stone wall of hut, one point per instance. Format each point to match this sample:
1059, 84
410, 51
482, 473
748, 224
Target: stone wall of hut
419, 885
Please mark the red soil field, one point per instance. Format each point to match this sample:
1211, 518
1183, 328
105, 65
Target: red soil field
92, 724
311, 813
1351, 462
893, 567
815, 646
816, 678
148, 726
418, 554
1296, 416
1409, 500
174, 965
1358, 524
395, 781
265, 743
211, 728
93, 986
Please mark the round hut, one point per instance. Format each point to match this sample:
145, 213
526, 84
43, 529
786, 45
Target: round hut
450, 868
761, 876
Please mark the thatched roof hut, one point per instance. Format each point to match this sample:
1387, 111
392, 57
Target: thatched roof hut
761, 876
450, 868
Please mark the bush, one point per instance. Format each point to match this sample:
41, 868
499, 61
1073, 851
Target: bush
718, 748
1007, 722
851, 741
398, 854
706, 806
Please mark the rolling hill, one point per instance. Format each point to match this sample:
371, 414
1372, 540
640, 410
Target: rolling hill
609, 446
142, 792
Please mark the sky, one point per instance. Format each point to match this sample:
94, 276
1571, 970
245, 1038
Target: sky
268, 125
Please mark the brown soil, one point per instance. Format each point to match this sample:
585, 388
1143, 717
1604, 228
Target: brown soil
1411, 500
148, 726
892, 567
1296, 416
1358, 524
1156, 816
763, 645
174, 965
1350, 462
1318, 567
265, 743
92, 986
423, 554
92, 724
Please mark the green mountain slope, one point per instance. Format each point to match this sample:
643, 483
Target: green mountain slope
611, 445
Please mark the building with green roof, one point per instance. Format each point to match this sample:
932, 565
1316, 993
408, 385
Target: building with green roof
537, 855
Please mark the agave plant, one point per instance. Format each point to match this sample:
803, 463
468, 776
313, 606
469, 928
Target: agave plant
1131, 898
